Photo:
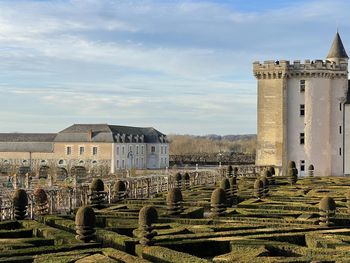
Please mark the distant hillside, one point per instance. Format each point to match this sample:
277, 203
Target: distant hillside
212, 143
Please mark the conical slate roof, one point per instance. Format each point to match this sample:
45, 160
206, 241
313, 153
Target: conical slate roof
337, 50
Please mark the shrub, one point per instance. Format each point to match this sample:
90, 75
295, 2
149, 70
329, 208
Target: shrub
20, 203
258, 188
41, 201
85, 222
218, 202
148, 215
327, 211
174, 201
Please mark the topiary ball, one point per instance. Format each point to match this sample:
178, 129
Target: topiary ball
85, 216
186, 177
20, 198
225, 184
97, 185
174, 196
178, 177
148, 215
327, 204
40, 196
265, 181
233, 182
258, 184
119, 186
218, 196
267, 174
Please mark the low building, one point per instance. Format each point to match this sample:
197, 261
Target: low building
92, 146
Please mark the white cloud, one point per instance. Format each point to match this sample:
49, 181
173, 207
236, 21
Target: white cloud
184, 66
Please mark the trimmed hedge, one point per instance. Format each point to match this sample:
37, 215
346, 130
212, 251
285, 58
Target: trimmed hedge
158, 254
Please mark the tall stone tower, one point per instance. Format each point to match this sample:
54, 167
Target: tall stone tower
301, 112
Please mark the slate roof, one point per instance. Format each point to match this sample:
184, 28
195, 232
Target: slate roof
106, 133
43, 142
27, 137
337, 50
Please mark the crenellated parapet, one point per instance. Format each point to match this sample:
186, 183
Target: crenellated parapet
271, 69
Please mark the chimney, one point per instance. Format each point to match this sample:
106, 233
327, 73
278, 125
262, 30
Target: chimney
89, 135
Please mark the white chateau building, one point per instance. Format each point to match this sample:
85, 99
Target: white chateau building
91, 146
304, 113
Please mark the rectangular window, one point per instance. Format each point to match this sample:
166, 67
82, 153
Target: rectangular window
94, 150
137, 162
137, 149
123, 164
117, 150
302, 109
161, 149
340, 106
81, 150
153, 149
142, 149
69, 150
302, 138
340, 129
164, 149
165, 161
118, 164
123, 150
142, 162
340, 151
302, 85
302, 165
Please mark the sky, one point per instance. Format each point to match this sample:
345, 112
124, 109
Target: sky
183, 67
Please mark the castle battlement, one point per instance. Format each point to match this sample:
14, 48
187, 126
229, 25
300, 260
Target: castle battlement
310, 68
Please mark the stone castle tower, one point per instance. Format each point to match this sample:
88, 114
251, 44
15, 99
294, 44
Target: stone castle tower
303, 112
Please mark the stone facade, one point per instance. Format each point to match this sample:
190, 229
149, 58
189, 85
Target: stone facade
301, 113
90, 146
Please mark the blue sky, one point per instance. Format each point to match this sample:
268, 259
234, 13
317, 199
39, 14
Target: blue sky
182, 67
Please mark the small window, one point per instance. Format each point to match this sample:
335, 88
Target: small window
123, 150
81, 150
137, 149
302, 85
123, 164
153, 149
118, 164
340, 151
164, 149
69, 150
340, 129
302, 165
302, 109
94, 150
117, 150
142, 149
302, 138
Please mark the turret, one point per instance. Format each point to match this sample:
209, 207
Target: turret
337, 52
